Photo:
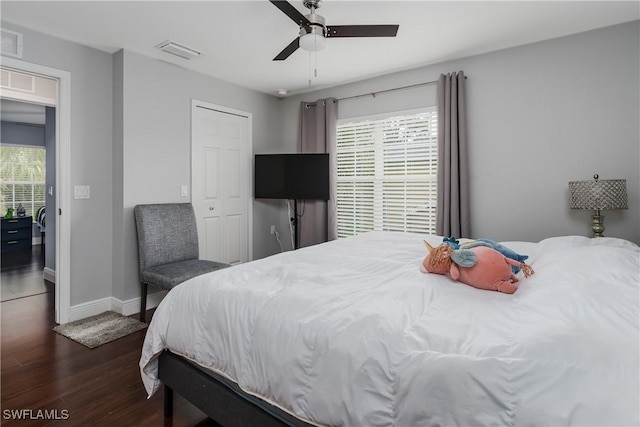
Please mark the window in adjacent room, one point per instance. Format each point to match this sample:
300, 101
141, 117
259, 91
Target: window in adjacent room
387, 173
22, 178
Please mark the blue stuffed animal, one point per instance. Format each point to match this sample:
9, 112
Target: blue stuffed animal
509, 253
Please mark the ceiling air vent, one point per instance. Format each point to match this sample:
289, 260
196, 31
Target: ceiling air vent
11, 43
178, 50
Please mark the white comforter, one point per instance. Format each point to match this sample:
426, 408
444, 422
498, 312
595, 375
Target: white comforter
352, 333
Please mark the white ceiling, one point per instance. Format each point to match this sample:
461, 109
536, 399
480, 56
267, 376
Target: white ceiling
240, 38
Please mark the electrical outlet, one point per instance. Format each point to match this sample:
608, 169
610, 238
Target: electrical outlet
273, 229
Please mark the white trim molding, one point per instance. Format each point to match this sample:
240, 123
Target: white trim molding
132, 306
49, 275
88, 309
126, 308
63, 178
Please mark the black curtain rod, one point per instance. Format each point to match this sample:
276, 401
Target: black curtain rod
391, 90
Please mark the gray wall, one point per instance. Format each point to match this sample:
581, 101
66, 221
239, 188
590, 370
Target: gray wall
156, 143
91, 160
130, 141
118, 249
539, 116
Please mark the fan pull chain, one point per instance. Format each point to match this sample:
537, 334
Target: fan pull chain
315, 65
309, 69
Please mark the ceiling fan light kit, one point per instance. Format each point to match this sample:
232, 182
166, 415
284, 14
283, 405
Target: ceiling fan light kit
313, 36
312, 42
314, 31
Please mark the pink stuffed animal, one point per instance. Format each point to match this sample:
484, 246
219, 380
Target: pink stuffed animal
481, 267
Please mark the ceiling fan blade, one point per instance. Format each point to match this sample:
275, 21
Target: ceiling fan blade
287, 51
291, 12
362, 30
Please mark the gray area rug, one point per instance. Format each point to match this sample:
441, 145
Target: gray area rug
101, 329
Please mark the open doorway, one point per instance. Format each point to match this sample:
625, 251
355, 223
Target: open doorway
27, 172
35, 84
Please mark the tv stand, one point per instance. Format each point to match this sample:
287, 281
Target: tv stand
294, 222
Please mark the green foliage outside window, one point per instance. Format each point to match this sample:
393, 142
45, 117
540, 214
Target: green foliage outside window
22, 178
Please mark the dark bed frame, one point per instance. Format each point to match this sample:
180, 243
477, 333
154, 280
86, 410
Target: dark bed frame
221, 399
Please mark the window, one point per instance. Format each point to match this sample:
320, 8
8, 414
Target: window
387, 173
22, 178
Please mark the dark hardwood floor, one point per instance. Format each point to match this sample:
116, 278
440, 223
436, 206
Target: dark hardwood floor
44, 371
22, 274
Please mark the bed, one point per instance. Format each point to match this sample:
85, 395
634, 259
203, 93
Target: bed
352, 333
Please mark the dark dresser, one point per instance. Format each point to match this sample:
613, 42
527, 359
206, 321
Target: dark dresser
17, 233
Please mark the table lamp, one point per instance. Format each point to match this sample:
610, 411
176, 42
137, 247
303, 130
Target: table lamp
597, 195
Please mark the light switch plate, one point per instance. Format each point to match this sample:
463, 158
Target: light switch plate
184, 191
81, 192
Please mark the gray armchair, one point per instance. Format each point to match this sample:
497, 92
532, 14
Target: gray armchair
168, 247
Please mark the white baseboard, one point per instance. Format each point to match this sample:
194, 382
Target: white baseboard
126, 308
49, 275
132, 306
87, 309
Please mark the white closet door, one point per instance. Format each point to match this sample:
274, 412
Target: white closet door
220, 172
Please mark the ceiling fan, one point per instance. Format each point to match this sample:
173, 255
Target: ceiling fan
314, 32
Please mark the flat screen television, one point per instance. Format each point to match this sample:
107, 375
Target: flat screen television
292, 176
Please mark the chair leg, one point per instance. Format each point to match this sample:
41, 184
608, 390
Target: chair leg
143, 302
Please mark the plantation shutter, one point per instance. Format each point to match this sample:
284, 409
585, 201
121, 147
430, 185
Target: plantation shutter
387, 173
22, 178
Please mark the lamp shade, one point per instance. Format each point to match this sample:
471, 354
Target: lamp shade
606, 194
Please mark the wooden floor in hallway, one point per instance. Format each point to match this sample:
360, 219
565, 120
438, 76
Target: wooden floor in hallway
22, 274
44, 371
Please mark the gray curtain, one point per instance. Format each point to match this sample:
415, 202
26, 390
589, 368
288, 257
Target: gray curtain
317, 134
452, 212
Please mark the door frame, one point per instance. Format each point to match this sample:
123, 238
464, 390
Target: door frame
195, 103
62, 191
